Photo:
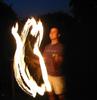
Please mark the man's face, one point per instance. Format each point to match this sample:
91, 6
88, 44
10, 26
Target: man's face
53, 34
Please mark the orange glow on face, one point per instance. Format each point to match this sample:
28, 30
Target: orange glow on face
53, 33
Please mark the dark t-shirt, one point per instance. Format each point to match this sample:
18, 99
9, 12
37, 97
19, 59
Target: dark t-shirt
50, 51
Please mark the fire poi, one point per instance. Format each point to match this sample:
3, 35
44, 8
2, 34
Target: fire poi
21, 72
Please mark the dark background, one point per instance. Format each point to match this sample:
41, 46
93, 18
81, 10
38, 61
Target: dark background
26, 8
75, 27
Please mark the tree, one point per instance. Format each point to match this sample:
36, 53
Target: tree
84, 9
1, 0
7, 20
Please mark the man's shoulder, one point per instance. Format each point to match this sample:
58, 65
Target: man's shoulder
58, 46
61, 44
48, 45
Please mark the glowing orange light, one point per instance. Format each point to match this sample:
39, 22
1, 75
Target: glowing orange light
21, 72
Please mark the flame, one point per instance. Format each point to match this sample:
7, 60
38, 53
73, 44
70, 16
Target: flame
21, 72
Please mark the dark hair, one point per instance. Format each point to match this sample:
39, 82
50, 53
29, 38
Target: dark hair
54, 26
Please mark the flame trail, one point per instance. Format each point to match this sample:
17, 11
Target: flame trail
21, 72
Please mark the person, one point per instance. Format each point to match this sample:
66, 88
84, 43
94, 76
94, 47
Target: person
54, 57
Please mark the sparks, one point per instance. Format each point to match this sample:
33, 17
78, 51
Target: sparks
21, 72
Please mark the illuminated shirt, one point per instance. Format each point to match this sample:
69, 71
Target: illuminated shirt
50, 52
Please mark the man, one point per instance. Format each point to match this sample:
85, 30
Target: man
54, 57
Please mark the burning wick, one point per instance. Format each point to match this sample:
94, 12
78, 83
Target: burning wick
21, 72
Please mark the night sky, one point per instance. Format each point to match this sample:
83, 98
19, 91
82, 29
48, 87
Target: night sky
75, 38
25, 8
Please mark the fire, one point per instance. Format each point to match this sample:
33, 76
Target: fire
21, 72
